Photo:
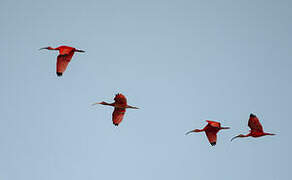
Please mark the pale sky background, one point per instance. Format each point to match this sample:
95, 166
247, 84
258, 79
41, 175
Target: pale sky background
180, 61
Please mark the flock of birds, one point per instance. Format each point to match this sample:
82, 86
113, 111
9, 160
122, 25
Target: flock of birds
120, 105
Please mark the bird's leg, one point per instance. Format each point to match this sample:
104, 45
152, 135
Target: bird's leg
271, 134
131, 107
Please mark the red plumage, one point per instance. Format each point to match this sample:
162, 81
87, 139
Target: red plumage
120, 106
256, 129
118, 115
65, 55
211, 130
254, 124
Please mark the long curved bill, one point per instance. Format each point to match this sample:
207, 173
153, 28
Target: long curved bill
189, 132
43, 48
79, 50
234, 138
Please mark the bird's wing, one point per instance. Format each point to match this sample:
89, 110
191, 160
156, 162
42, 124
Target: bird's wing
118, 115
212, 137
255, 124
213, 123
62, 62
120, 99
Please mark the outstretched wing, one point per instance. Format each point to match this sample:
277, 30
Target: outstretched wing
214, 124
62, 62
120, 99
212, 137
254, 124
118, 115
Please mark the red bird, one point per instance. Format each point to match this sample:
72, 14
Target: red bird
120, 105
256, 129
65, 55
211, 130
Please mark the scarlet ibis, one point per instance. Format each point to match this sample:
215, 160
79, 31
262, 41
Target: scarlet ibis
256, 129
120, 105
211, 130
65, 55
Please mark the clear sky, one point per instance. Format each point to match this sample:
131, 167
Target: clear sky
180, 61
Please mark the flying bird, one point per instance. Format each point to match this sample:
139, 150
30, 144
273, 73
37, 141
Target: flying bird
65, 55
211, 130
256, 129
120, 105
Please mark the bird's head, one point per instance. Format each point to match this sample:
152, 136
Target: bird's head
48, 48
240, 135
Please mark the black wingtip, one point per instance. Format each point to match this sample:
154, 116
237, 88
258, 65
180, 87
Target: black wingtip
116, 124
213, 143
252, 115
59, 74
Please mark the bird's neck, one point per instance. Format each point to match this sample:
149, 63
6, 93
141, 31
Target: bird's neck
107, 104
50, 48
199, 130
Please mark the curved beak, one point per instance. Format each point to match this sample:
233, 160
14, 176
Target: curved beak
78, 50
234, 138
190, 132
43, 48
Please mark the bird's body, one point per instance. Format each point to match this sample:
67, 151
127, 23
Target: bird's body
256, 129
120, 106
211, 130
65, 55
63, 50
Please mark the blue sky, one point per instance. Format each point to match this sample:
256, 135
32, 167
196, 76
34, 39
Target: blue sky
180, 61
